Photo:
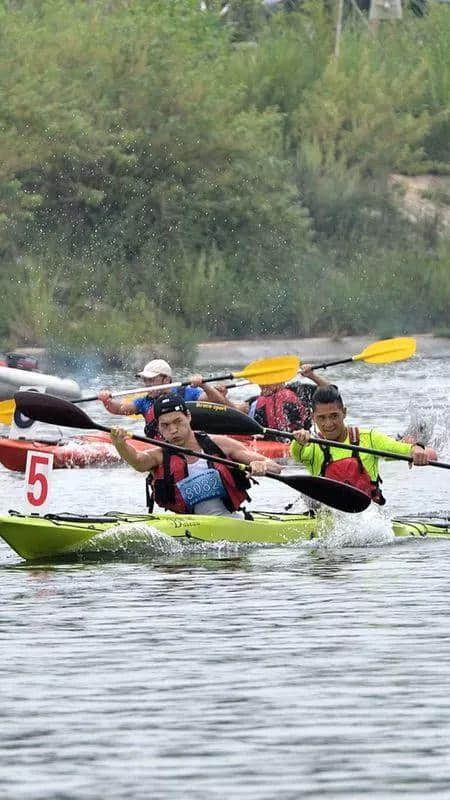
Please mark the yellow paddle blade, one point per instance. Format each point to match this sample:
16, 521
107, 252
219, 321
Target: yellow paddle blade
7, 408
387, 350
270, 370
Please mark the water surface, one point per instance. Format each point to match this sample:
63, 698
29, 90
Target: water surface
320, 670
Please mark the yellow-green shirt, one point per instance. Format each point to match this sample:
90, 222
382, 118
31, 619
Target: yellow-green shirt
312, 456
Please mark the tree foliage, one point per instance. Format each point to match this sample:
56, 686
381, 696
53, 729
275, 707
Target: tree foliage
168, 172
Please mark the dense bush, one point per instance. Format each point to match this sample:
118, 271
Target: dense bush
169, 174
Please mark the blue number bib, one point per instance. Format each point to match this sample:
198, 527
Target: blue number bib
198, 488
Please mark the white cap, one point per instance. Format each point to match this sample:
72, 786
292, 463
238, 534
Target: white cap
156, 367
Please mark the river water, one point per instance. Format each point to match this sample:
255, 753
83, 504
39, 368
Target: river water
309, 671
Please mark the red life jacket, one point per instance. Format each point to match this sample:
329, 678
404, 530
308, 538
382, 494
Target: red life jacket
270, 410
174, 468
351, 470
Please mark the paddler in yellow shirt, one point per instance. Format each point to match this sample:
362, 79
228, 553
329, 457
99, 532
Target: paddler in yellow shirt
357, 469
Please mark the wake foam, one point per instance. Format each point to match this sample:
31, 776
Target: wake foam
429, 425
133, 539
371, 528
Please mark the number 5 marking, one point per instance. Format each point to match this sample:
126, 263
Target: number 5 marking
36, 477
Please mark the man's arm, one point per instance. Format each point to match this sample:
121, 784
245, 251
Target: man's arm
226, 400
141, 461
119, 406
381, 441
237, 451
307, 372
301, 450
240, 405
209, 392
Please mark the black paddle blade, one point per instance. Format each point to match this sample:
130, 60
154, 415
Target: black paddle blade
215, 418
338, 495
53, 410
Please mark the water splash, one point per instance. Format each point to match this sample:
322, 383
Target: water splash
371, 528
139, 539
429, 424
132, 539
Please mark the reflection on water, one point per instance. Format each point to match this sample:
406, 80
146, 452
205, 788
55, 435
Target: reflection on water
315, 670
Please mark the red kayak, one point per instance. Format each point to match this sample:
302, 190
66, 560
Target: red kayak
277, 450
96, 450
86, 450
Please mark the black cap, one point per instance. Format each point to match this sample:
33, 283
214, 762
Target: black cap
166, 404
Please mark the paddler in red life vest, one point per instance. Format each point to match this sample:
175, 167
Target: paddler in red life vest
189, 485
158, 372
287, 407
359, 470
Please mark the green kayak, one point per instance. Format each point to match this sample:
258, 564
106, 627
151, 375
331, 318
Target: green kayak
34, 537
431, 524
62, 534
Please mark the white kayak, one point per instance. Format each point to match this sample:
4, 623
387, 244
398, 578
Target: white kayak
12, 379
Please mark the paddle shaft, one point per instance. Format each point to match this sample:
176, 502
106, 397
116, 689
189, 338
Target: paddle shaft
330, 364
180, 384
358, 448
384, 351
186, 451
160, 387
259, 370
301, 483
242, 424
53, 410
176, 385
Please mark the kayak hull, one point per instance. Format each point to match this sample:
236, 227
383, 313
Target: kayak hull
279, 451
41, 537
11, 379
65, 535
87, 450
96, 450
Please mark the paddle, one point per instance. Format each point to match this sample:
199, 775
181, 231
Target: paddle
53, 410
220, 419
382, 352
265, 371
7, 408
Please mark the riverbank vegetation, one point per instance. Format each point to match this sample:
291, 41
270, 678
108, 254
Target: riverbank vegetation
168, 174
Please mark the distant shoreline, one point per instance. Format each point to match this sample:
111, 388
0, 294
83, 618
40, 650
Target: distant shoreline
224, 353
